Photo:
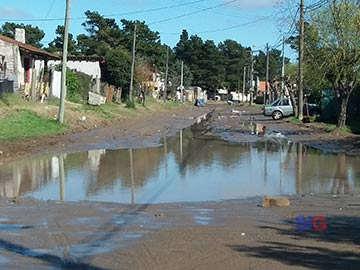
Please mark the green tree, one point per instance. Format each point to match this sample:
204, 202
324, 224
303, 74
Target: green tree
56, 46
33, 35
335, 49
204, 60
103, 34
118, 63
235, 58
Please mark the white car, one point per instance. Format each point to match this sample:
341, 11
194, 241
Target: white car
280, 108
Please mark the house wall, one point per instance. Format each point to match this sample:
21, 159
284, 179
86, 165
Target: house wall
12, 59
87, 67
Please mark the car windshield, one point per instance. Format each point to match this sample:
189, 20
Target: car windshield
275, 103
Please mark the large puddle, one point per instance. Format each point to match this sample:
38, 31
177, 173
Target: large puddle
190, 166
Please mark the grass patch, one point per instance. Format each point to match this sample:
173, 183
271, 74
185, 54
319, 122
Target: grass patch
295, 120
11, 100
24, 124
333, 127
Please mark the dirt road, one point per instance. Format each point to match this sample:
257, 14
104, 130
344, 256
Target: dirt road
215, 235
237, 234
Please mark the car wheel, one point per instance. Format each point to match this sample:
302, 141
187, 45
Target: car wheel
277, 115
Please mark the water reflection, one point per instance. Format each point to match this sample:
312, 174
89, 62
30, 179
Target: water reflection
190, 166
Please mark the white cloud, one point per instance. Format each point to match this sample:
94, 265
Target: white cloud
254, 3
9, 12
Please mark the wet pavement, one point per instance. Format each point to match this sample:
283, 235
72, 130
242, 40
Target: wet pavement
192, 166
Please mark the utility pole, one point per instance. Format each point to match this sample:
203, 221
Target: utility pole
252, 79
166, 73
244, 84
301, 58
64, 61
182, 81
267, 72
283, 69
132, 65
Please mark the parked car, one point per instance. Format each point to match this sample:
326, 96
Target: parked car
280, 108
283, 107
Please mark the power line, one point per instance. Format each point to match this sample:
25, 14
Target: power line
227, 28
231, 14
192, 13
106, 16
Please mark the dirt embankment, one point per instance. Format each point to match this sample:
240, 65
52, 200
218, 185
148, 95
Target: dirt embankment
231, 123
136, 132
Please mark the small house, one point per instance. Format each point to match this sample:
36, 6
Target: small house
23, 68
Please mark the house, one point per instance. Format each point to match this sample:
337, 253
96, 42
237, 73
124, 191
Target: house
23, 68
89, 65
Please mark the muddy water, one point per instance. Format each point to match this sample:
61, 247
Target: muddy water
191, 166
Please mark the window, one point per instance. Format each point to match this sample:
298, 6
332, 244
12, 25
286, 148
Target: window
285, 102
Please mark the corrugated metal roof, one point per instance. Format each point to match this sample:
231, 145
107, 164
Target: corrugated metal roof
30, 48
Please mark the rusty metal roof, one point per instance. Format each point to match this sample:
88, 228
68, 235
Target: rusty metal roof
29, 48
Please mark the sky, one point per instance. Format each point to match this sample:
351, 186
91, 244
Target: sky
250, 22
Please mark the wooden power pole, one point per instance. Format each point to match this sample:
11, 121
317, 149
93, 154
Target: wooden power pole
182, 81
244, 84
252, 79
301, 65
64, 61
267, 73
132, 65
166, 73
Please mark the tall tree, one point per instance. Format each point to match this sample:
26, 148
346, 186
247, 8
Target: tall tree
235, 58
33, 35
204, 60
103, 34
56, 46
336, 49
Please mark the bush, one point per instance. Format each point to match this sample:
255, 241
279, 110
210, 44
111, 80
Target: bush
130, 104
77, 86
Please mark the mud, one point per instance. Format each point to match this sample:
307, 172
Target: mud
234, 234
231, 234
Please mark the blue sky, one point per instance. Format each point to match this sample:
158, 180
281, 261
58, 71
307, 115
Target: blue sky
250, 22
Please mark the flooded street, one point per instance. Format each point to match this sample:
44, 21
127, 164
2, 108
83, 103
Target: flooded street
192, 166
191, 200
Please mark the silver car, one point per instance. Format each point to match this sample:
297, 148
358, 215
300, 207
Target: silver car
279, 108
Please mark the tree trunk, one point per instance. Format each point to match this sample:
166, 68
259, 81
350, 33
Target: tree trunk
293, 101
343, 112
344, 96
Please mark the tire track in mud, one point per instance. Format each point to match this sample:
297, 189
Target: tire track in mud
61, 242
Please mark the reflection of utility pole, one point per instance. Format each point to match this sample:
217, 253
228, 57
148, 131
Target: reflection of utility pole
132, 65
266, 93
64, 61
62, 177
299, 166
181, 145
166, 73
244, 84
280, 151
165, 152
301, 59
265, 162
132, 177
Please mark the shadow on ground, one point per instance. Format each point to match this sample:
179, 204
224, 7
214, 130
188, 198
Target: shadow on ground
310, 248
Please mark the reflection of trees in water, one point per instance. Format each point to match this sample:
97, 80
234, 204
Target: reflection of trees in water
115, 165
340, 183
313, 171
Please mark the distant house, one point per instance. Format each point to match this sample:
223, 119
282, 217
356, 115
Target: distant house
22, 66
89, 65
